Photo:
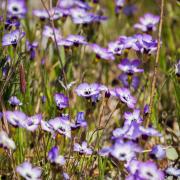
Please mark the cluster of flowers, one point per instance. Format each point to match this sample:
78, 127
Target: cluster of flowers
124, 139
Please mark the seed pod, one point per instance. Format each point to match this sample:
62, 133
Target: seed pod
22, 78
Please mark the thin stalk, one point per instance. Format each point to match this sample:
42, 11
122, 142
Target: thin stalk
153, 89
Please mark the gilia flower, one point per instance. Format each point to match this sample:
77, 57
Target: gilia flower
14, 101
157, 152
147, 23
61, 100
6, 142
82, 149
28, 172
12, 38
177, 69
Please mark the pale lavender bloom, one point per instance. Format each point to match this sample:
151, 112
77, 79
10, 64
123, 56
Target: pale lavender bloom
5, 141
12, 23
16, 118
157, 152
147, 23
102, 53
12, 38
89, 90
119, 4
134, 82
54, 157
177, 69
31, 48
146, 109
82, 149
115, 47
80, 121
42, 14
81, 16
61, 126
130, 67
77, 39
148, 170
16, 8
119, 133
172, 171
125, 96
144, 44
32, 122
27, 171
132, 166
61, 100
126, 41
14, 101
52, 33
125, 151
65, 43
149, 131
46, 126
66, 176
67, 4
133, 116
105, 151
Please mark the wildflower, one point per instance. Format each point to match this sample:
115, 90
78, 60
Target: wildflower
65, 43
66, 176
125, 151
14, 101
129, 10
54, 157
149, 131
6, 142
46, 126
147, 23
130, 67
102, 53
16, 118
119, 5
27, 171
12, 22
133, 116
12, 38
33, 122
172, 171
157, 152
61, 100
31, 48
89, 90
148, 170
105, 151
52, 33
177, 69
16, 8
61, 126
125, 96
129, 82
146, 109
82, 149
144, 44
76, 39
115, 47
80, 121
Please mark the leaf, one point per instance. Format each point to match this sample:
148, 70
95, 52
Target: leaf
171, 154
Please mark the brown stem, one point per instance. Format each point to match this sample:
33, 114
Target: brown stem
153, 89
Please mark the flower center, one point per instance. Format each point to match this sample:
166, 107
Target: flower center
15, 9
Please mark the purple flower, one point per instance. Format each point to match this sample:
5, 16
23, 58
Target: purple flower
147, 23
82, 149
47, 127
149, 131
6, 66
102, 53
32, 122
61, 126
115, 47
27, 171
12, 38
133, 116
130, 67
119, 5
16, 118
65, 43
129, 10
54, 157
105, 151
148, 170
125, 96
125, 151
172, 171
31, 48
50, 33
16, 8
144, 44
157, 152
146, 109
12, 22
177, 69
61, 100
80, 121
77, 39
6, 142
129, 81
14, 101
89, 90
126, 41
